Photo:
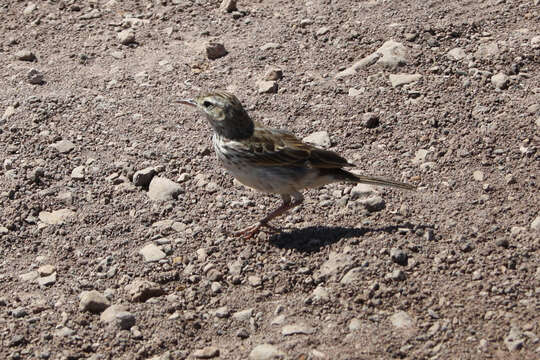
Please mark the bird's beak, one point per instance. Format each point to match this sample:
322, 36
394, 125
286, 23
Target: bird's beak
189, 102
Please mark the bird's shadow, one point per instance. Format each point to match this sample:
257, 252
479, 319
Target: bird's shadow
314, 238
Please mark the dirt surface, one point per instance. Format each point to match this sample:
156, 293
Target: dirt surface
451, 271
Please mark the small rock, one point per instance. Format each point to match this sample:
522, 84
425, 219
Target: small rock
93, 301
228, 6
163, 189
34, 77
535, 224
297, 329
401, 320
269, 46
362, 190
29, 276
392, 54
266, 352
420, 156
272, 73
222, 312
9, 112
478, 175
63, 146
352, 276
47, 280
19, 312
57, 217
510, 179
78, 173
243, 315
118, 316
370, 120
215, 50
477, 275
355, 324
141, 290
320, 295
320, 139
322, 31
487, 50
399, 256
206, 353
254, 280
397, 275
402, 79
457, 54
144, 177
31, 7
126, 37
336, 263
25, 55
151, 253
500, 81
502, 242
356, 92
373, 203
267, 87
515, 340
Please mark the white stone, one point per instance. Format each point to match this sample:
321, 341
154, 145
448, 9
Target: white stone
266, 352
320, 138
151, 253
403, 79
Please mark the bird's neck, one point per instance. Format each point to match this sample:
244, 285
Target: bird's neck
239, 126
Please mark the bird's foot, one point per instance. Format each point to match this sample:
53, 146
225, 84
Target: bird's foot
248, 232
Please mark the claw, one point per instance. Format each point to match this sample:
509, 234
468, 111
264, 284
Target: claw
250, 231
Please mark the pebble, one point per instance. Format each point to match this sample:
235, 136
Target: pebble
356, 92
370, 120
392, 54
269, 46
9, 112
93, 301
322, 31
399, 256
320, 295
397, 275
34, 77
222, 312
118, 316
78, 173
29, 276
56, 217
487, 51
420, 156
362, 190
272, 73
266, 352
500, 81
297, 329
457, 53
402, 79
31, 7
401, 320
355, 324
514, 340
151, 253
320, 139
144, 177
63, 146
19, 312
267, 87
254, 280
228, 6
141, 290
215, 50
336, 263
163, 189
243, 315
126, 37
25, 55
477, 275
47, 280
373, 203
352, 276
478, 175
206, 353
535, 224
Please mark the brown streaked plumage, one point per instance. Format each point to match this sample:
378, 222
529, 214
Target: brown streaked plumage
272, 160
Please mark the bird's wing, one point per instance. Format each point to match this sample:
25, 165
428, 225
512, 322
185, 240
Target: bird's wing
274, 147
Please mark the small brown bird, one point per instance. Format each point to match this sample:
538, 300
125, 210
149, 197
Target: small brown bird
272, 160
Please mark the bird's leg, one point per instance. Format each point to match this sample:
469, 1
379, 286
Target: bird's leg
287, 205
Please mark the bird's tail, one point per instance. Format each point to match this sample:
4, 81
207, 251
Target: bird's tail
344, 175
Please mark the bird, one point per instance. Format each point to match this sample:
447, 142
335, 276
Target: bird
272, 160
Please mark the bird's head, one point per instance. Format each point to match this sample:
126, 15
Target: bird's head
224, 112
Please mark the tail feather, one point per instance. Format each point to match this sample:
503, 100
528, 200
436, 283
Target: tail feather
344, 175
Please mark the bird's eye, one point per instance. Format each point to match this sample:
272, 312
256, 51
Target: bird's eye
207, 104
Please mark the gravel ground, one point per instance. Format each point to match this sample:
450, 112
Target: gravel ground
115, 216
